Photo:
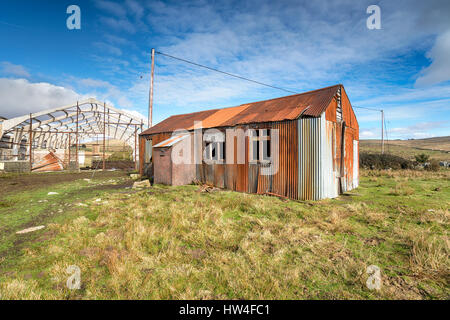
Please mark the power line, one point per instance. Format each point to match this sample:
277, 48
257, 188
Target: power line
227, 73
373, 109
246, 79
242, 78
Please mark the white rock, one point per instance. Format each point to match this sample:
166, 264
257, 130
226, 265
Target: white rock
141, 184
52, 193
30, 229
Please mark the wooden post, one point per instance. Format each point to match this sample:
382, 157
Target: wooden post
104, 133
69, 152
109, 131
141, 151
135, 146
150, 103
30, 136
76, 139
382, 132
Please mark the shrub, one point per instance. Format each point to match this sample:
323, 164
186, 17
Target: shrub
422, 158
383, 161
433, 165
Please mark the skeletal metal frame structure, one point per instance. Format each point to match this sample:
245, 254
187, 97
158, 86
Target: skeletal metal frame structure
63, 127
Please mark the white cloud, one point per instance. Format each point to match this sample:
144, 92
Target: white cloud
439, 70
93, 83
107, 48
111, 7
11, 69
20, 97
418, 130
120, 24
367, 134
137, 115
135, 8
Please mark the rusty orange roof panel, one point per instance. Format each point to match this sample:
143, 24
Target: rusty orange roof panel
312, 103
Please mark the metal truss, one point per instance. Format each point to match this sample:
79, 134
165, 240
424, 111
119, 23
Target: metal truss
62, 127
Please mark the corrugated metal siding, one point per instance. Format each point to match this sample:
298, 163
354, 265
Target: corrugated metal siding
318, 169
310, 159
248, 177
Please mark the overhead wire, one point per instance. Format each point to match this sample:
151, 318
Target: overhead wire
226, 73
251, 80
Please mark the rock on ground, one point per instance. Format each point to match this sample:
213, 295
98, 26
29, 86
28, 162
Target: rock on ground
141, 184
30, 229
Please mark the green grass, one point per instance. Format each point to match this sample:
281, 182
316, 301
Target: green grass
178, 243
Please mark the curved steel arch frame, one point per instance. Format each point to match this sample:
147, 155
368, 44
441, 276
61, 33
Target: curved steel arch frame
62, 126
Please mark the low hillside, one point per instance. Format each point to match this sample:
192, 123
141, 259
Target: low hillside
437, 148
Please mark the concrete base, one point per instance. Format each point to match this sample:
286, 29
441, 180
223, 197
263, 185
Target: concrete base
15, 166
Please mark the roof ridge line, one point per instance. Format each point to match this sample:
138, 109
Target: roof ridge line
244, 104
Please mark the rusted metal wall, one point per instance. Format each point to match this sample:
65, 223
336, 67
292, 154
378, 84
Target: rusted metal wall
142, 151
315, 160
350, 170
248, 177
317, 166
50, 162
155, 138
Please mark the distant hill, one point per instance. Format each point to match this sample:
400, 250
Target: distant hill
437, 148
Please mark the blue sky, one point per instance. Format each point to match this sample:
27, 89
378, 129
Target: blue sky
403, 68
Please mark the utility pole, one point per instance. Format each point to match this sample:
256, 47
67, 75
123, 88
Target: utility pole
30, 137
150, 102
77, 139
104, 134
382, 131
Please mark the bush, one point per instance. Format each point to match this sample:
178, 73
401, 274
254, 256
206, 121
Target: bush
121, 155
433, 165
422, 158
383, 161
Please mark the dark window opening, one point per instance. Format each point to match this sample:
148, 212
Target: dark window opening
255, 145
266, 144
215, 151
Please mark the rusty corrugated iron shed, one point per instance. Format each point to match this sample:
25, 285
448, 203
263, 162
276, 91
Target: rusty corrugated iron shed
171, 141
311, 103
51, 162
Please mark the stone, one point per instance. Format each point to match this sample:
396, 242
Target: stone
134, 176
141, 184
30, 229
52, 193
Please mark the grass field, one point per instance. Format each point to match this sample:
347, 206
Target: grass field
180, 243
437, 148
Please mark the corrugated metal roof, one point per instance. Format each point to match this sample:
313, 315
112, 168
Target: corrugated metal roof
171, 141
311, 103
